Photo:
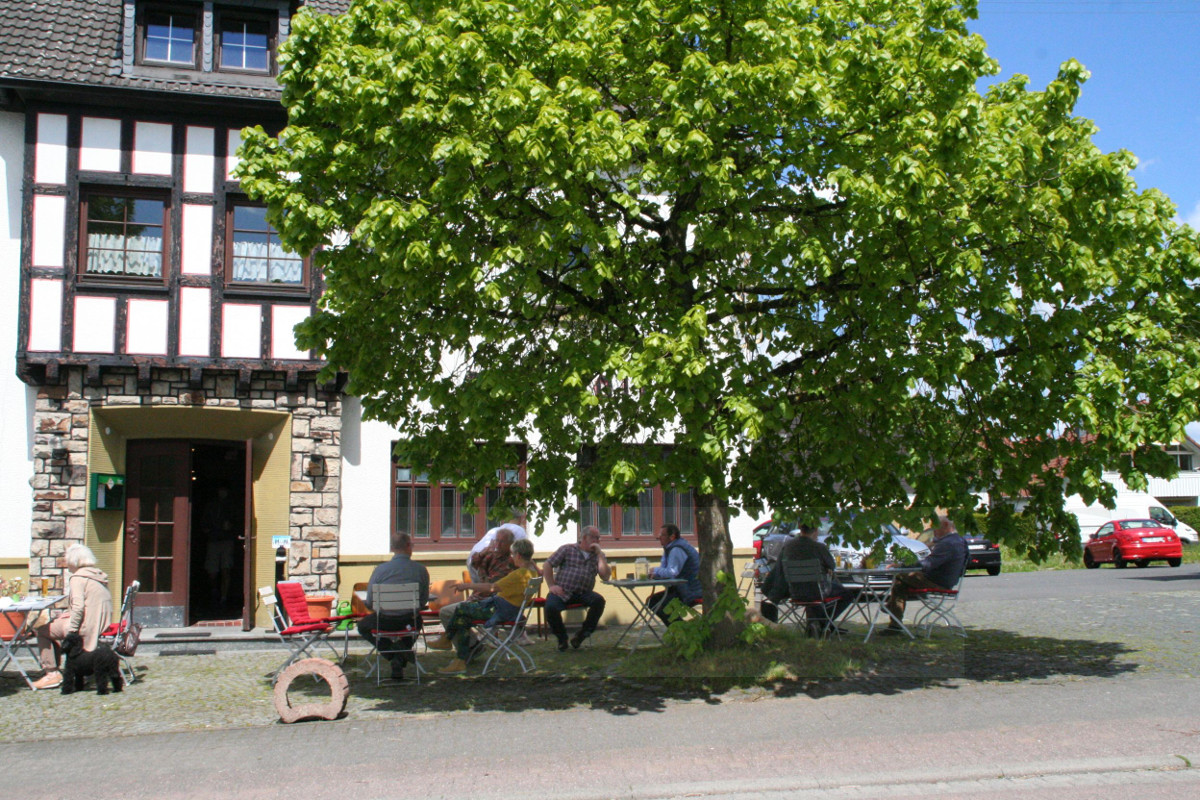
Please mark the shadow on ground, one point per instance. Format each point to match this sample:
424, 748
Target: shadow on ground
887, 668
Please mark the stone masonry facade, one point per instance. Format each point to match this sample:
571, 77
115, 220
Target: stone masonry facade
60, 472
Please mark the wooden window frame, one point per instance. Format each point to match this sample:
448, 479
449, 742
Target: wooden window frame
226, 15
433, 540
588, 512
83, 275
146, 12
303, 287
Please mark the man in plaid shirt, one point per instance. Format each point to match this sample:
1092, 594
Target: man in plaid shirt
490, 565
570, 575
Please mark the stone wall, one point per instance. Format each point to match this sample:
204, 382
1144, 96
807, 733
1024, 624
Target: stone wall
60, 470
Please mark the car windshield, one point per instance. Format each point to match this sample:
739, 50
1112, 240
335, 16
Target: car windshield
1140, 523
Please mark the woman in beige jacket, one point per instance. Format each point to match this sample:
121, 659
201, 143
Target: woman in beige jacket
89, 613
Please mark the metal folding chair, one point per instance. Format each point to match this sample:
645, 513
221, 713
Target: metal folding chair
504, 637
111, 635
937, 605
395, 600
299, 636
806, 577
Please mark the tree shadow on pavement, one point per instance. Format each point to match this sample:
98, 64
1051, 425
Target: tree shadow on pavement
892, 667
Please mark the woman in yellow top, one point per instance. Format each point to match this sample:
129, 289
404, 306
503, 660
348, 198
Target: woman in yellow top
501, 606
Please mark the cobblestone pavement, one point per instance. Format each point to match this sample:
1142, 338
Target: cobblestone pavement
1150, 629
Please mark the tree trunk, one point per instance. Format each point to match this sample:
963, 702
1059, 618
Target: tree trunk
716, 555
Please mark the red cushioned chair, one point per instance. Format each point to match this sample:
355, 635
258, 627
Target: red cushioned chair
937, 605
505, 636
394, 600
804, 578
296, 631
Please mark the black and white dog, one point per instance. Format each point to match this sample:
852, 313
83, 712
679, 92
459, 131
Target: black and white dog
102, 662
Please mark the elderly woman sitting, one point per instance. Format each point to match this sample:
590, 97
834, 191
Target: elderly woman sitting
501, 606
88, 613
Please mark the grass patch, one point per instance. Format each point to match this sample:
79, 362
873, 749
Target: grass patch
1013, 561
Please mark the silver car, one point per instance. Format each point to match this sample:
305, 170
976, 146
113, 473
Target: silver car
770, 538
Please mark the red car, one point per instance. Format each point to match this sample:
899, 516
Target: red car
1138, 540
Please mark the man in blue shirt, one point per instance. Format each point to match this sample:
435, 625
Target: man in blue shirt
401, 569
679, 560
941, 569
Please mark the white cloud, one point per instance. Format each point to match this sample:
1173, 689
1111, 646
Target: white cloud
1144, 166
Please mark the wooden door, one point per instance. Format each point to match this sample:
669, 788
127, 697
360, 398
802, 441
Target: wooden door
250, 545
157, 515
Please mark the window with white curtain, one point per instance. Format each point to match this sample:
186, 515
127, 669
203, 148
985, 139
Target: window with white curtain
255, 254
124, 234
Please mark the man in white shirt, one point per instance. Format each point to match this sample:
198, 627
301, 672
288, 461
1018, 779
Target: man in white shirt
485, 542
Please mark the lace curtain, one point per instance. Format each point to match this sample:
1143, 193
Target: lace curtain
115, 254
265, 262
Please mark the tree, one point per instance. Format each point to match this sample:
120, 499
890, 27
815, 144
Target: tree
789, 238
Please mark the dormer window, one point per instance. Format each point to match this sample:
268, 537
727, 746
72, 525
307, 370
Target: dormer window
169, 37
246, 43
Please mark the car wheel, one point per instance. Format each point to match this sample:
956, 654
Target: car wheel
994, 570
1088, 561
1174, 562
1142, 563
1119, 562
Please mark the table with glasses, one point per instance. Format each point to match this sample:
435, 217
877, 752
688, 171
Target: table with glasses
646, 616
874, 585
21, 616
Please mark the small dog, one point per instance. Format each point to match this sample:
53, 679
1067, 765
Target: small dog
102, 662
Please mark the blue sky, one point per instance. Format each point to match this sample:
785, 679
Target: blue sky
1144, 93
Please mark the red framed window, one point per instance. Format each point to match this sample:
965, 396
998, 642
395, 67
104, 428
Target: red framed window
123, 234
639, 524
254, 256
438, 515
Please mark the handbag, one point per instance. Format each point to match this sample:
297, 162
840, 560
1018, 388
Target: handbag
127, 642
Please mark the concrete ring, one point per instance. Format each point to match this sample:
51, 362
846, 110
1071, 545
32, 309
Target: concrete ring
339, 689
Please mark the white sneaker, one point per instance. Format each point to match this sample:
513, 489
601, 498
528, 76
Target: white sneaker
51, 680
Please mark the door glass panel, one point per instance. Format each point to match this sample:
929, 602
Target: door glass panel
146, 572
146, 543
166, 537
163, 578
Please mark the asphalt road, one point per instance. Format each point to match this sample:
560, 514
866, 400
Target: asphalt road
1131, 728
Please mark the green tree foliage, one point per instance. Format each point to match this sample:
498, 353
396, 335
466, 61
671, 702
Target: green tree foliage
788, 236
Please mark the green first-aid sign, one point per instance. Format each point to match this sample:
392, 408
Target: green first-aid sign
107, 492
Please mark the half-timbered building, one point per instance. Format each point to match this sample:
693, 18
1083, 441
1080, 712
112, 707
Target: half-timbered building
160, 410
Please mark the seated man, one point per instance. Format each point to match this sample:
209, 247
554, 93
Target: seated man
799, 548
679, 560
503, 601
570, 575
941, 569
401, 569
487, 566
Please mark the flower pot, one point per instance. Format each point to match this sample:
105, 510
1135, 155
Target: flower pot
320, 606
10, 623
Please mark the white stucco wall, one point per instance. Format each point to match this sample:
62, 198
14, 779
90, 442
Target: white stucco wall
16, 399
366, 500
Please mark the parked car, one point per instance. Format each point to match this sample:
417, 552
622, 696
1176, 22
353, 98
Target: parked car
1138, 540
770, 536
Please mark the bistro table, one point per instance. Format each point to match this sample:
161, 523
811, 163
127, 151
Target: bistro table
646, 618
21, 616
874, 590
